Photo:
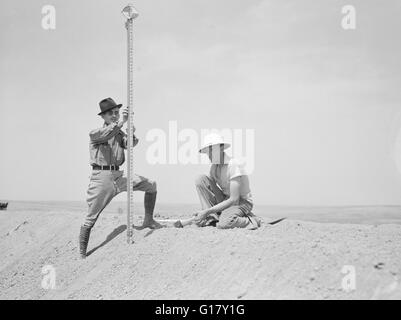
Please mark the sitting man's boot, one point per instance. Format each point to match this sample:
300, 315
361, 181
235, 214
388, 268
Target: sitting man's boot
83, 240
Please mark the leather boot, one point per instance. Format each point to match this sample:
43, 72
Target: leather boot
83, 240
149, 202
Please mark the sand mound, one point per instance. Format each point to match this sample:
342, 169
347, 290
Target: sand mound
289, 260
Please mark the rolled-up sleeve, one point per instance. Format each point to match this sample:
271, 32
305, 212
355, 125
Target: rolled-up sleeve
125, 140
103, 134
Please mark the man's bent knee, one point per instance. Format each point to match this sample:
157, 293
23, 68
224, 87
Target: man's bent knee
152, 188
226, 222
201, 180
229, 218
224, 225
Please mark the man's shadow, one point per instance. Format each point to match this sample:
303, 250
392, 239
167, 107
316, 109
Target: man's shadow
147, 233
110, 237
115, 233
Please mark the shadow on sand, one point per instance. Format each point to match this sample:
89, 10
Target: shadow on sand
147, 233
115, 233
276, 221
110, 237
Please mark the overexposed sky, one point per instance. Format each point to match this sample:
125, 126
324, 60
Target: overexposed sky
324, 102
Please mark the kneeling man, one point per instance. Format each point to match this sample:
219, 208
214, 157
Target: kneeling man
224, 194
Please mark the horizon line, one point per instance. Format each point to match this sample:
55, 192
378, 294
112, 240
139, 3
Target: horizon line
255, 205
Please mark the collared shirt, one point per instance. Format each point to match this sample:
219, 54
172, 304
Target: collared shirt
230, 169
107, 144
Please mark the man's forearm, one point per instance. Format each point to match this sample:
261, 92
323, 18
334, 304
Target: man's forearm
125, 141
103, 134
221, 206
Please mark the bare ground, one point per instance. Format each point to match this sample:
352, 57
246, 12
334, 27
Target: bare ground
290, 260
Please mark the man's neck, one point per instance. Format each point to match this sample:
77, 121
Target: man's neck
226, 160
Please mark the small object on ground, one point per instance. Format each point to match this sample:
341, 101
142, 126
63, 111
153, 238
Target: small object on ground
169, 222
3, 205
178, 224
277, 221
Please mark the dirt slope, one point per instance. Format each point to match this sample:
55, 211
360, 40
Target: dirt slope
290, 260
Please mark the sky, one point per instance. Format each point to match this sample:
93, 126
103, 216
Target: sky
323, 103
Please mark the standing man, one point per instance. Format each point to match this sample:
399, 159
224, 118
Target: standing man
106, 147
224, 194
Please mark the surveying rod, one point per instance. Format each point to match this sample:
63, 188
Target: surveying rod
130, 14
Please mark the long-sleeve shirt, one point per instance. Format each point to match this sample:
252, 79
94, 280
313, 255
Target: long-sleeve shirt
107, 144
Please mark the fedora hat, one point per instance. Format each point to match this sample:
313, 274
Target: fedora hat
107, 104
211, 140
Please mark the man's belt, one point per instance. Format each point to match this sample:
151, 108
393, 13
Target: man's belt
112, 167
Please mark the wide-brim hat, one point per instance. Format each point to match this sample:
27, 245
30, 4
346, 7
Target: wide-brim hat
211, 140
107, 104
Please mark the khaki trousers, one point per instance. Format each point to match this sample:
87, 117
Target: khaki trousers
104, 185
